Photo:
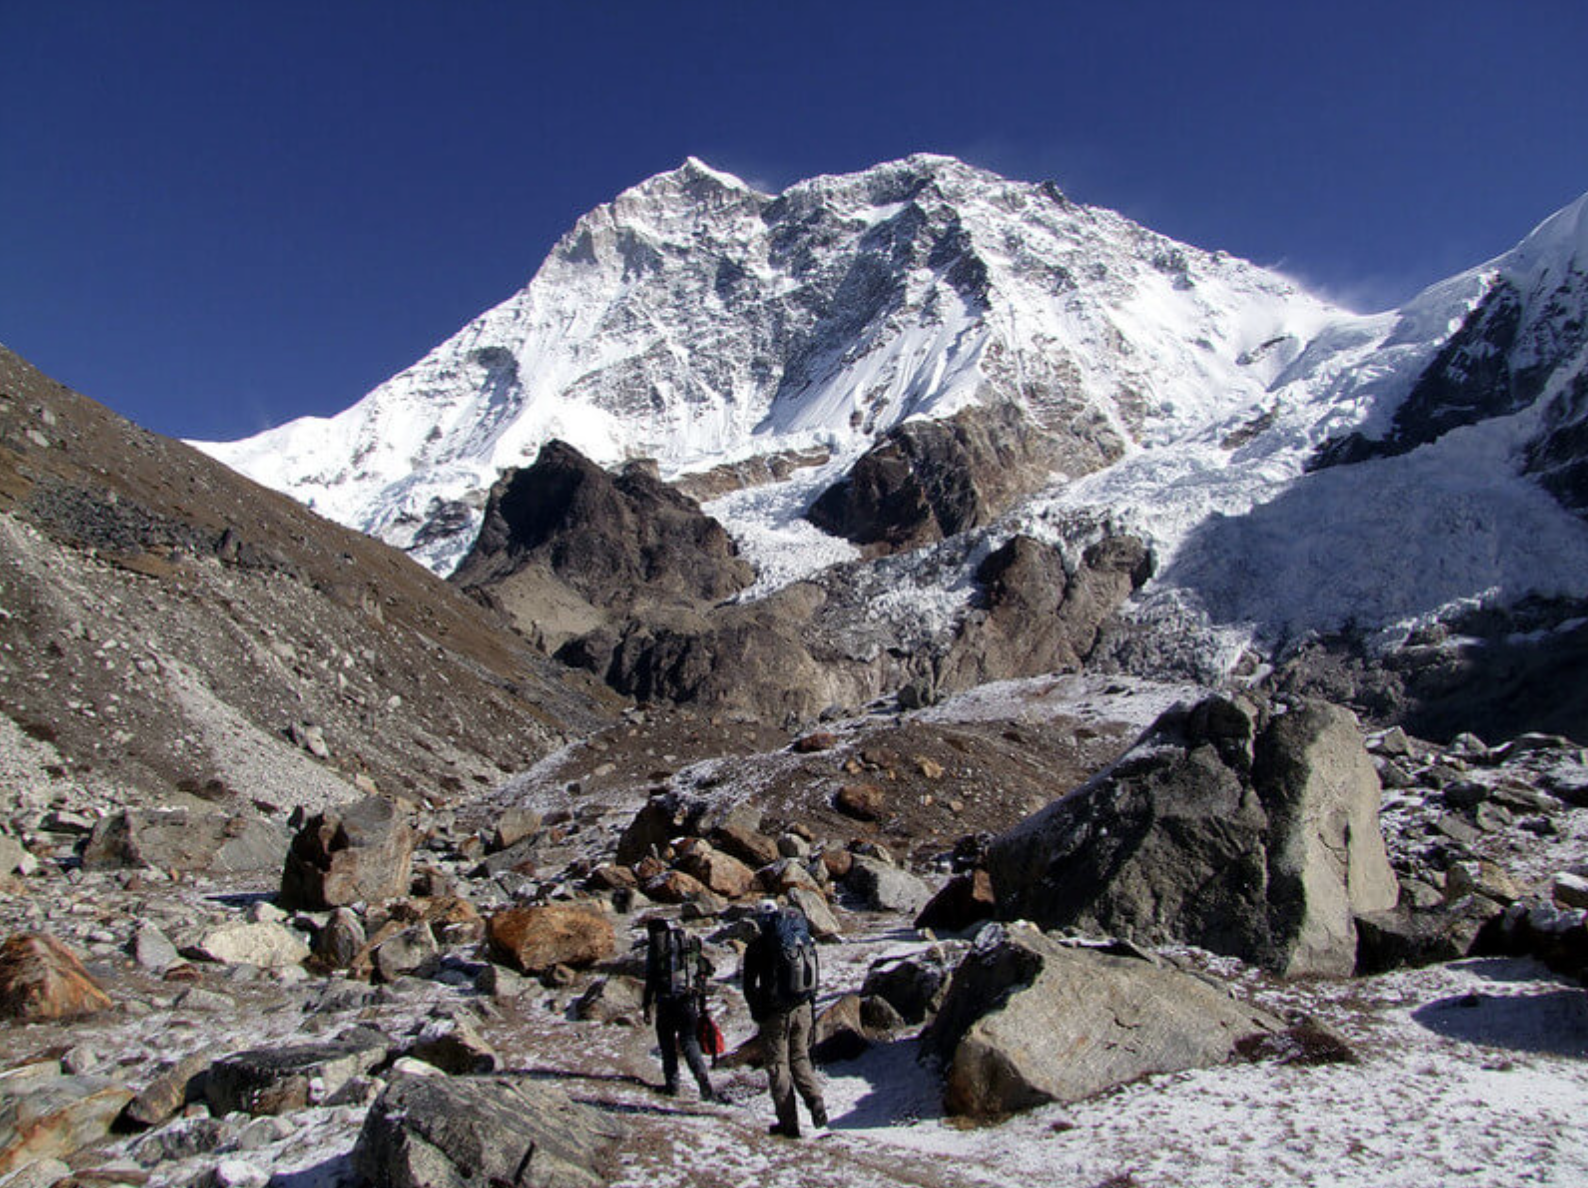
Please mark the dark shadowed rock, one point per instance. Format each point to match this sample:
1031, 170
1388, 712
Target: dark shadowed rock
180, 840
1028, 1021
965, 900
926, 480
357, 853
913, 986
442, 1132
172, 1088
1225, 827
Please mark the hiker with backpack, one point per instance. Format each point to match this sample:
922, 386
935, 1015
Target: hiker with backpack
781, 971
675, 992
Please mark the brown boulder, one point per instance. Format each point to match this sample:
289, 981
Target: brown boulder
723, 874
41, 979
674, 886
533, 939
863, 802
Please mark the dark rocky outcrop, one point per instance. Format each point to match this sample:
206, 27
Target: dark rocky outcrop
358, 853
278, 1080
1244, 831
927, 480
621, 540
1028, 1020
443, 1132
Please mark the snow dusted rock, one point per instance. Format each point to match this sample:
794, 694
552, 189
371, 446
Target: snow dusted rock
412, 952
269, 946
361, 852
40, 978
14, 859
182, 840
611, 999
454, 1046
51, 1117
1028, 1021
886, 888
152, 950
1570, 890
532, 940
1246, 833
440, 1132
278, 1080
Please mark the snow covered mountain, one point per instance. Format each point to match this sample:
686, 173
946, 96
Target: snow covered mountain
1264, 442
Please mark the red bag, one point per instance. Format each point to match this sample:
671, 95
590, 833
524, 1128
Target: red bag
712, 1041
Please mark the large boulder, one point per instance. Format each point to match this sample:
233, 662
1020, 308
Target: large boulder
885, 888
50, 1117
40, 978
533, 939
180, 840
1228, 826
719, 872
444, 1132
1028, 1020
265, 944
359, 853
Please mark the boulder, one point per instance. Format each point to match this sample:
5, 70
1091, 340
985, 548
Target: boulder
659, 821
14, 857
40, 979
1028, 1020
173, 1086
721, 873
341, 940
358, 853
962, 902
886, 888
454, 1046
741, 837
1406, 937
532, 940
611, 999
863, 802
51, 1117
913, 986
413, 952
441, 1132
190, 842
278, 1080
840, 1032
152, 950
1244, 831
674, 886
514, 826
269, 946
824, 925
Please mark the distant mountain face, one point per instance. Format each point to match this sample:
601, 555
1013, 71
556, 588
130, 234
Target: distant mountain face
1291, 466
696, 322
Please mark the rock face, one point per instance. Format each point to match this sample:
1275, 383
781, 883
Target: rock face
1028, 1021
926, 480
279, 1080
1242, 831
40, 979
360, 853
176, 839
627, 538
533, 939
440, 1132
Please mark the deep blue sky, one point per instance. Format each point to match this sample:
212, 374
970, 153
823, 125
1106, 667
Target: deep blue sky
217, 215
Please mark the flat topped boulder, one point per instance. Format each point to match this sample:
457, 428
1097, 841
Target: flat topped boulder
188, 841
1028, 1020
278, 1080
357, 853
446, 1132
1245, 829
533, 939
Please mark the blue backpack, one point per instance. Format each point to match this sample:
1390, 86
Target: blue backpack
795, 967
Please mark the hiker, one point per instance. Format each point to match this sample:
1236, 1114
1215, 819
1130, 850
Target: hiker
675, 991
781, 970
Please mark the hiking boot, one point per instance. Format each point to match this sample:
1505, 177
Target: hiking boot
819, 1117
782, 1131
711, 1096
669, 1090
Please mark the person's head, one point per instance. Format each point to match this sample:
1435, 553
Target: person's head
655, 926
766, 909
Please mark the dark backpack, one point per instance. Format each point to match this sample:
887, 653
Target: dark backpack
677, 963
795, 966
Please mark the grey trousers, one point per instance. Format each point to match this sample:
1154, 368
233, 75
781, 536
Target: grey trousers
786, 1041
